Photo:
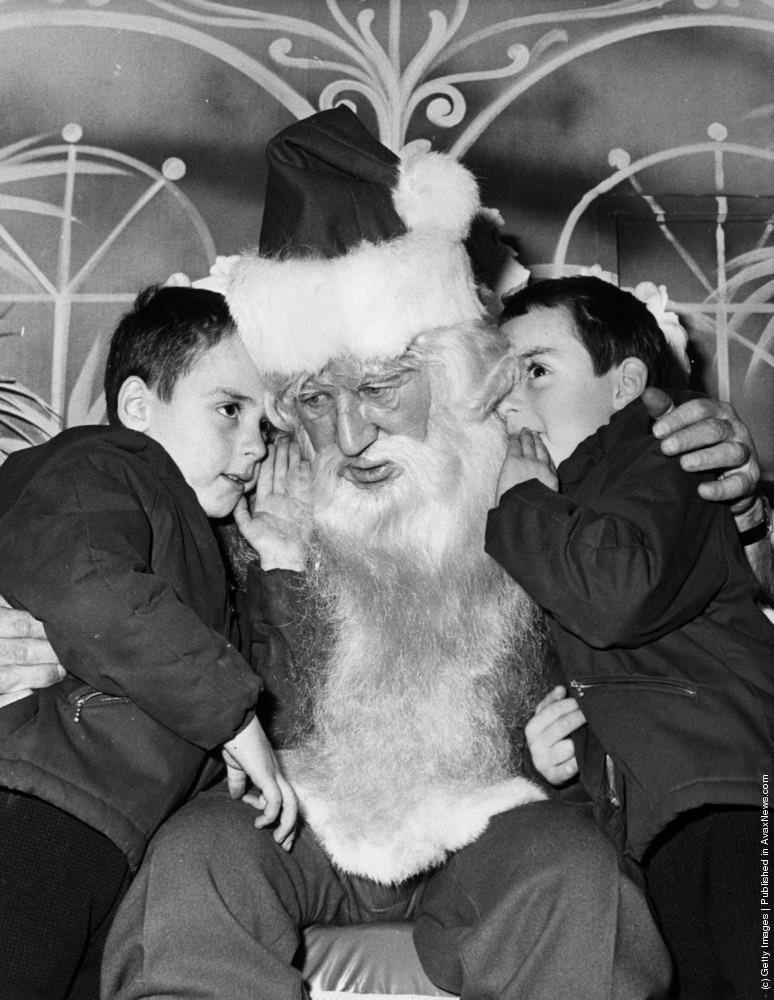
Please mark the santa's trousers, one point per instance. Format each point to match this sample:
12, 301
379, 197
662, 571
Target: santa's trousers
536, 909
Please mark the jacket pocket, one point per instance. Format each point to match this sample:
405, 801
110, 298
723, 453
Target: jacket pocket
87, 699
582, 686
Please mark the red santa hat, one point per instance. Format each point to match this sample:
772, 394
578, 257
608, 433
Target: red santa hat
360, 250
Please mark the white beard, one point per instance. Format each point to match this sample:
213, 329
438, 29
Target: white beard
434, 653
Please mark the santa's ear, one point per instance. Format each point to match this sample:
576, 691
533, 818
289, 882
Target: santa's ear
497, 385
631, 378
134, 403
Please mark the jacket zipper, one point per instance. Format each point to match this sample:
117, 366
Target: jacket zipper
665, 684
86, 698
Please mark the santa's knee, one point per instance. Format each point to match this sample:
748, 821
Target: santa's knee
564, 840
201, 829
211, 847
545, 850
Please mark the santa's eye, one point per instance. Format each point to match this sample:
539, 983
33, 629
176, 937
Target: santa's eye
375, 391
314, 400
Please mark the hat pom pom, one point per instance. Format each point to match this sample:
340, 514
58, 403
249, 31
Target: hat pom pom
435, 192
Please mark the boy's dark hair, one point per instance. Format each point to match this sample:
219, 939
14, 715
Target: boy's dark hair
161, 337
612, 324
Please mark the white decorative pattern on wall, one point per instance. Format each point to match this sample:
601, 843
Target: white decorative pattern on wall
67, 284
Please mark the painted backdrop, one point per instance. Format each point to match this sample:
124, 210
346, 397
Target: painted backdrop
635, 134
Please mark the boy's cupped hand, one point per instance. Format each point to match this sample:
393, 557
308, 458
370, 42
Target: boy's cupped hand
275, 519
526, 458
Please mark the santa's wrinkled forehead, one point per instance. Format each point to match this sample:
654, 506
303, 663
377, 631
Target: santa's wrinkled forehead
456, 362
350, 373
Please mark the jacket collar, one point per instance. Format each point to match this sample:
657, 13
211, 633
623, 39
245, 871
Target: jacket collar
632, 420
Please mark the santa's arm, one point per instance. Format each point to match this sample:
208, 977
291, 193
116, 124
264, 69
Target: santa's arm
27, 659
707, 434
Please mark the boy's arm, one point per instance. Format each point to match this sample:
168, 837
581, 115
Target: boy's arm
75, 553
271, 611
276, 523
613, 575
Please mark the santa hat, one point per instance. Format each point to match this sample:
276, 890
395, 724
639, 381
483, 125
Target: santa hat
360, 250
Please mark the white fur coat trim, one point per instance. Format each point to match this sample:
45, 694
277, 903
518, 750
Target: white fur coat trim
411, 835
295, 315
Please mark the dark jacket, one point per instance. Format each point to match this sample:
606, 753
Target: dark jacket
653, 609
103, 540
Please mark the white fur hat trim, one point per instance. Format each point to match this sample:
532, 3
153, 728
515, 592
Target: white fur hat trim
296, 315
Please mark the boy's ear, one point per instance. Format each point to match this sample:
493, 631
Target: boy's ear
497, 385
630, 382
134, 404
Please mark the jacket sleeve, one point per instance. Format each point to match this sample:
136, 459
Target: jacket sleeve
272, 609
75, 552
622, 572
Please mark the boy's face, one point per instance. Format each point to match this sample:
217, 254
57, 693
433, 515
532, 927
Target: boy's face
211, 426
555, 390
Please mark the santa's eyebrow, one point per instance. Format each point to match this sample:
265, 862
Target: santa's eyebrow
315, 383
385, 377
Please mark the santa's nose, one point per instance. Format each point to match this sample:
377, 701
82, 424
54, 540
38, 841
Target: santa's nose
355, 431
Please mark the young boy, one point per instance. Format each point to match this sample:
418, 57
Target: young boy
653, 611
105, 536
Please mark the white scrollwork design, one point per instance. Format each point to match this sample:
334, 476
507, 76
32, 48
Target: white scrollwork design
368, 63
61, 286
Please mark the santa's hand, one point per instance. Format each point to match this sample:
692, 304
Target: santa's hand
526, 458
708, 435
27, 660
547, 732
276, 521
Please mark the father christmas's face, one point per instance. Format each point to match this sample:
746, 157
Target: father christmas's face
399, 455
371, 431
350, 405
